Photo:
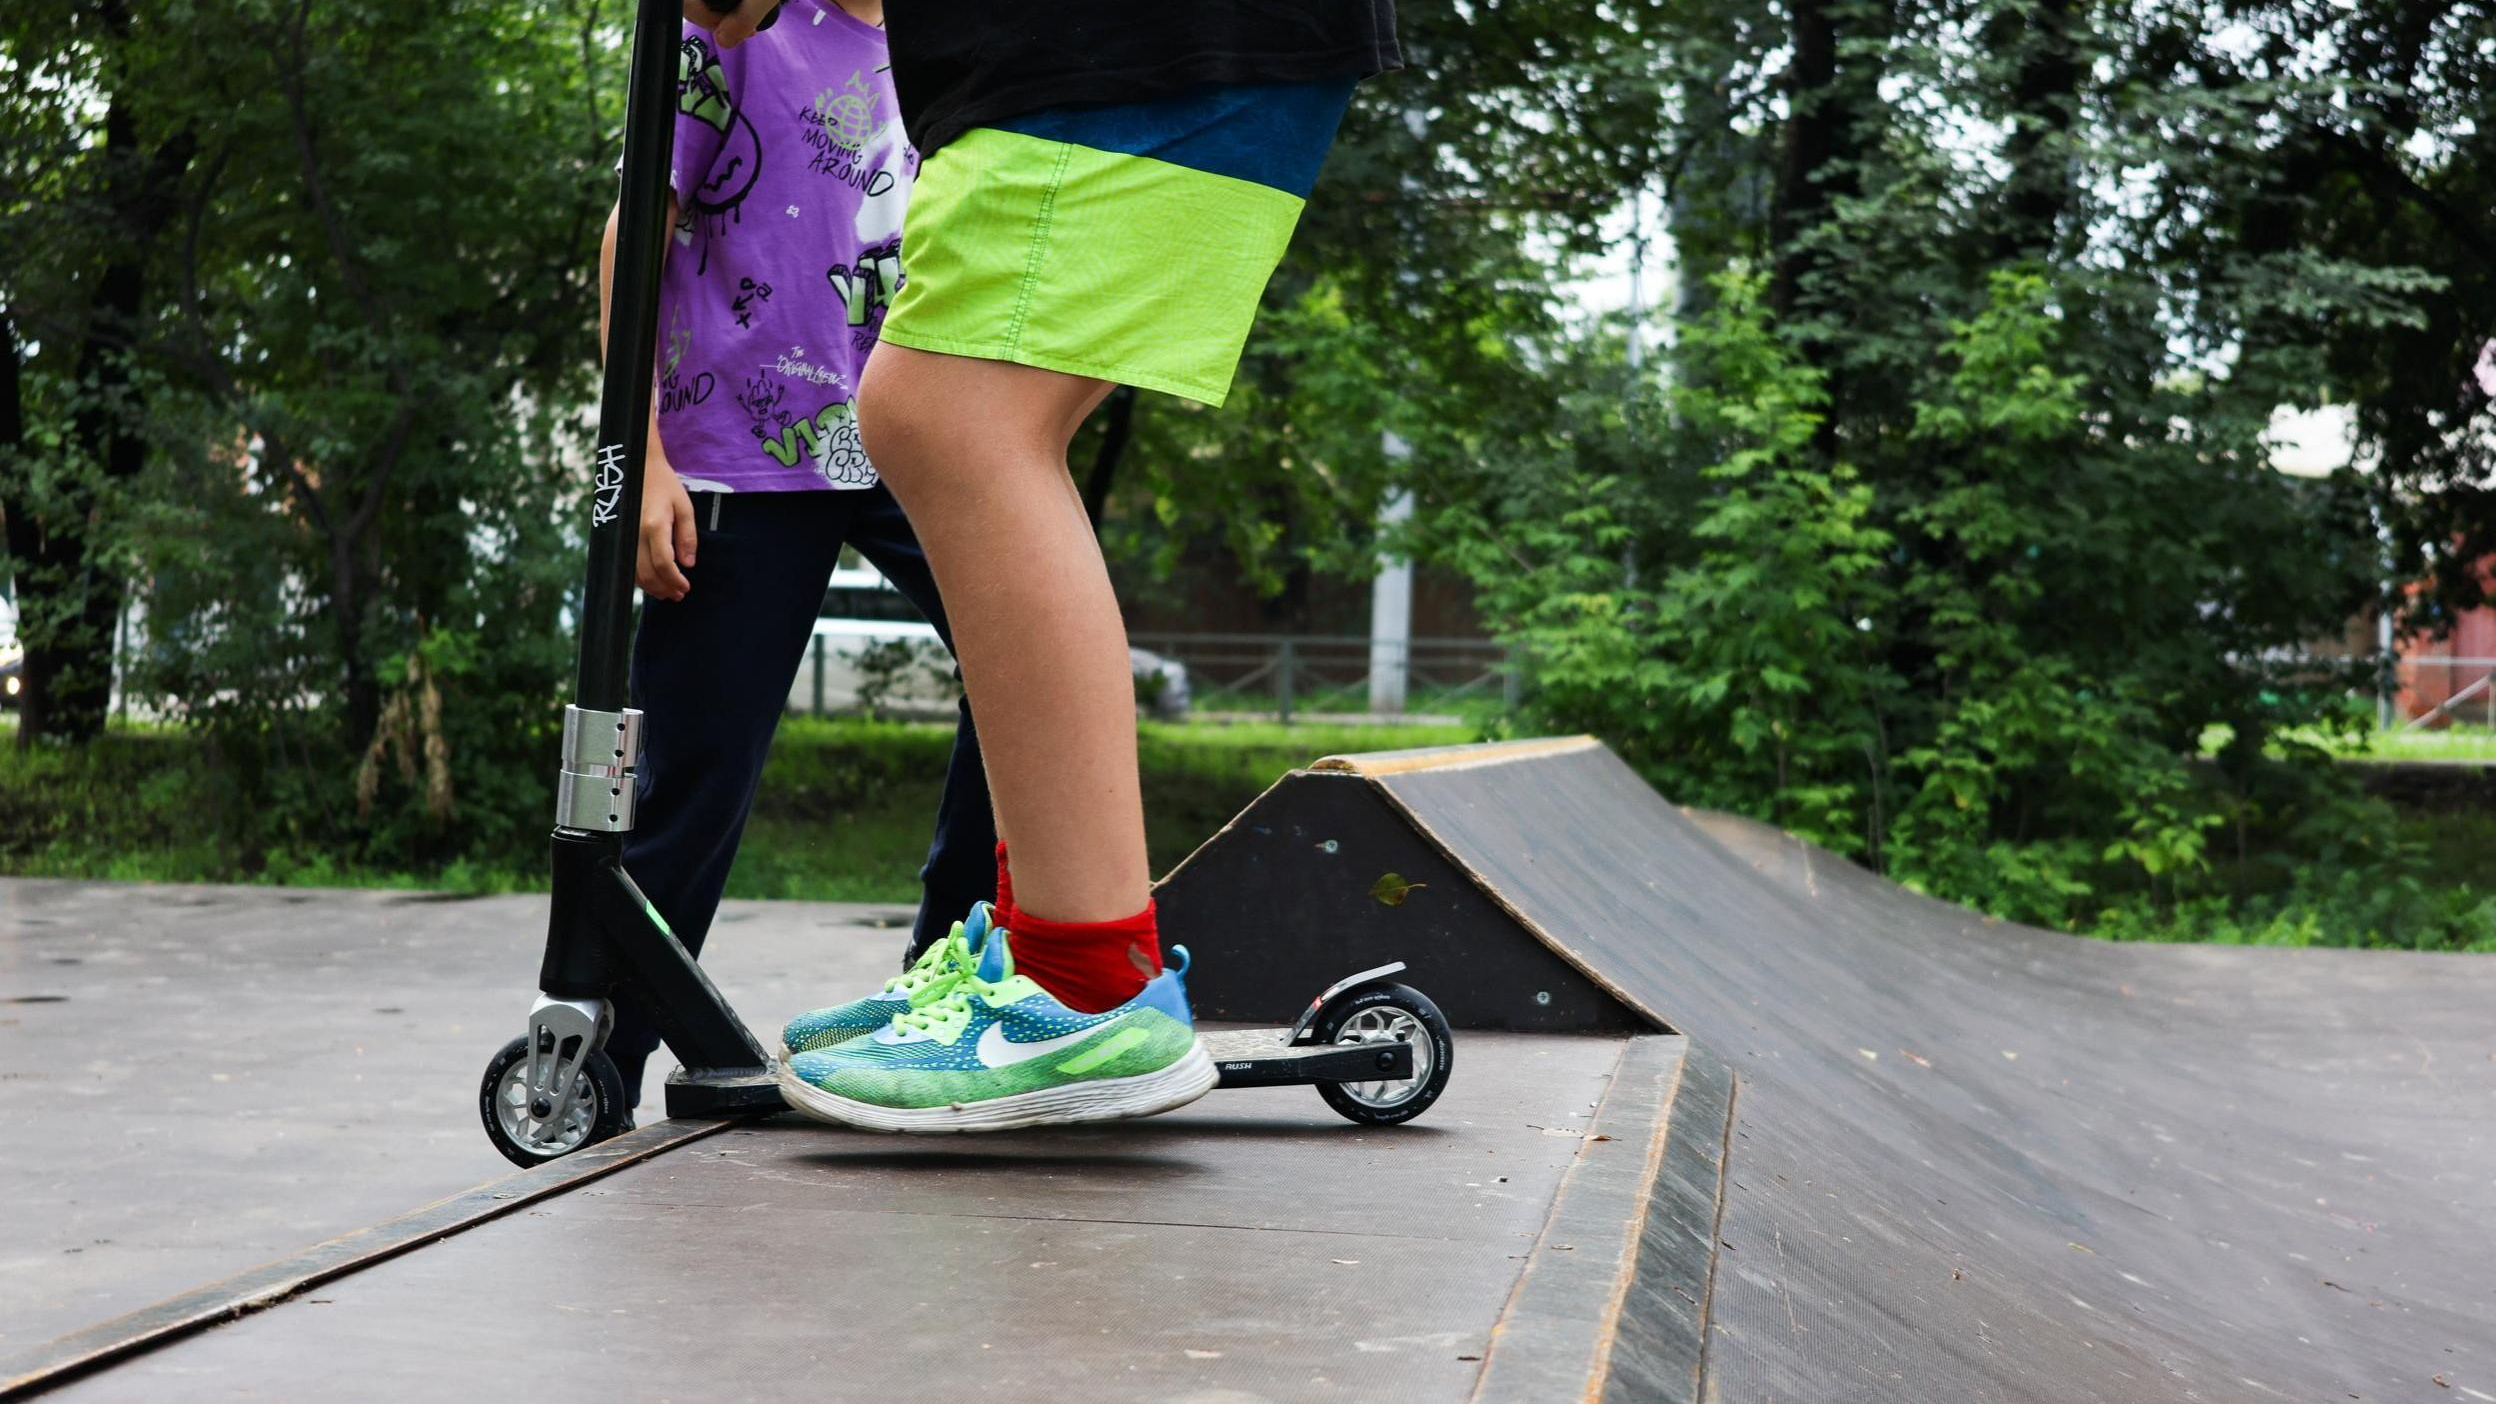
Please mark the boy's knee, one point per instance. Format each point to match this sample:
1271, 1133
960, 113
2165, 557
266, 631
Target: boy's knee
896, 417
926, 417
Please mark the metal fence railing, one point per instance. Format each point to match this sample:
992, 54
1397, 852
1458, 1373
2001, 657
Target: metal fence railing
2433, 690
1298, 673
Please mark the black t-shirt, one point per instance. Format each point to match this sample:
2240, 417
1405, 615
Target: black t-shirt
959, 64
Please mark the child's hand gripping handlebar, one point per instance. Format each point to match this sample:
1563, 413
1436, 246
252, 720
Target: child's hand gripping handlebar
720, 9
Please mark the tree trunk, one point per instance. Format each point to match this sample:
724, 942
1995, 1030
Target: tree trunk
94, 589
363, 688
1814, 115
1828, 102
2043, 107
70, 594
1712, 204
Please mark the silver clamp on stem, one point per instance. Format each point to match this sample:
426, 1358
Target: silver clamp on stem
594, 789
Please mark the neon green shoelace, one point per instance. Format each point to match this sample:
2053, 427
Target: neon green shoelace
945, 1002
930, 966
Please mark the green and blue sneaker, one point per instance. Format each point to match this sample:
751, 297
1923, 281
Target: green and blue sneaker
933, 972
991, 1050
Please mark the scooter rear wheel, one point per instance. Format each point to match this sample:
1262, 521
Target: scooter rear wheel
1389, 1014
598, 1109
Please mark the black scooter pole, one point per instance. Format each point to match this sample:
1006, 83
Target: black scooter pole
632, 338
603, 936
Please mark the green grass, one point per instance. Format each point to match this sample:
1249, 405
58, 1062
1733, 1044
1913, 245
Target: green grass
2463, 741
2458, 743
844, 814
846, 806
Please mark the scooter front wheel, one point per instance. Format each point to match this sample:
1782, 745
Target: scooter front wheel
597, 1111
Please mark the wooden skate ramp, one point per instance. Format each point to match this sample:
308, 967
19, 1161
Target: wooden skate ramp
1969, 1161
1885, 1151
1250, 1248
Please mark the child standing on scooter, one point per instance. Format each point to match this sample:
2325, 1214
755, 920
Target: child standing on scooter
792, 171
1108, 186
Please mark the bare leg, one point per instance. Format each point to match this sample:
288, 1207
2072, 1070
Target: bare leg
976, 452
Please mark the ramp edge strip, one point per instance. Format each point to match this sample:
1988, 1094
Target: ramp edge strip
60, 1360
1716, 1227
1607, 1293
1464, 757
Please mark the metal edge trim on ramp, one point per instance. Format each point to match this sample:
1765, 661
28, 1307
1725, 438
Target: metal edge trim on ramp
1613, 1304
58, 1361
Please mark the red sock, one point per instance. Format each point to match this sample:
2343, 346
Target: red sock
1005, 890
1089, 965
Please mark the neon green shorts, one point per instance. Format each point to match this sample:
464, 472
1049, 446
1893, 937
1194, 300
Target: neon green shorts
1128, 243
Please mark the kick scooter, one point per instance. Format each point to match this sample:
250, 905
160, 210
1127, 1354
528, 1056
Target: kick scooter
551, 1090
1378, 1052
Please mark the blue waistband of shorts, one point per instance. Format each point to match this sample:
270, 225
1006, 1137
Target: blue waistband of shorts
1275, 134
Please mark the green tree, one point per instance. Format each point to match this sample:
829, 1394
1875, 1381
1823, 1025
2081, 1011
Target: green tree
85, 192
341, 446
1434, 249
2008, 545
1740, 671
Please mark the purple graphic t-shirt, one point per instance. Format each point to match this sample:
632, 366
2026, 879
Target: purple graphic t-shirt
791, 177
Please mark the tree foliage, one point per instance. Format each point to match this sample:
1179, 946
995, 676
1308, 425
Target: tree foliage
1944, 530
1995, 542
352, 350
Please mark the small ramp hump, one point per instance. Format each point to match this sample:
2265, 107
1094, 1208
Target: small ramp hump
1334, 868
1969, 1160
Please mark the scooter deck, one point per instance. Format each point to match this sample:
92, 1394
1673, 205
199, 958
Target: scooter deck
722, 1095
1267, 1058
1244, 1057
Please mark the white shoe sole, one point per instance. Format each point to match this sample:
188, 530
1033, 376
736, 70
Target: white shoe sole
1106, 1099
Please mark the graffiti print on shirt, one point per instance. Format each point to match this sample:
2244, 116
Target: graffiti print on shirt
701, 88
751, 295
792, 181
828, 439
679, 392
849, 139
702, 94
866, 288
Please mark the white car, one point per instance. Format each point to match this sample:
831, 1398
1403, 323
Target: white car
12, 657
872, 649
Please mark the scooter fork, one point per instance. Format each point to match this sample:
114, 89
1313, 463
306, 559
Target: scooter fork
562, 1035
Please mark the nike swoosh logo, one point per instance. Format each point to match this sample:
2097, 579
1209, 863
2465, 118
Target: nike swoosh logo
997, 1051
